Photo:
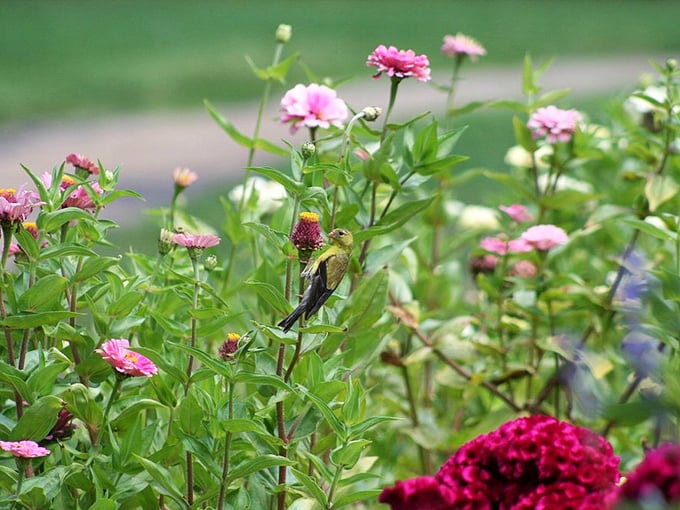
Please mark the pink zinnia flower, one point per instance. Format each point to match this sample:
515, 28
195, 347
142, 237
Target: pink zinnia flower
544, 237
125, 361
462, 45
183, 177
555, 124
78, 197
399, 63
517, 212
83, 163
24, 449
196, 240
312, 106
524, 269
16, 205
656, 478
502, 246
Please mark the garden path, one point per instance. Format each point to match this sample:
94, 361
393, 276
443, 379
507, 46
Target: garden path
150, 144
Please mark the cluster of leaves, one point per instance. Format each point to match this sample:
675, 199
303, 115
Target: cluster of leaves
412, 355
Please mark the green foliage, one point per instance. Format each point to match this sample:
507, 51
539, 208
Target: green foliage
430, 340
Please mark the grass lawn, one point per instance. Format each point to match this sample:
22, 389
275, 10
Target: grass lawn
84, 57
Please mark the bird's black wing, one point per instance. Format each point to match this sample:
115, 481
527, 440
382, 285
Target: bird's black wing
317, 292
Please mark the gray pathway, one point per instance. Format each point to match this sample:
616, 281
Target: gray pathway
150, 145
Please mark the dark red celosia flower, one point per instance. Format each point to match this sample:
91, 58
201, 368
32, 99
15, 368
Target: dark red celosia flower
306, 234
229, 347
64, 427
657, 477
527, 463
421, 492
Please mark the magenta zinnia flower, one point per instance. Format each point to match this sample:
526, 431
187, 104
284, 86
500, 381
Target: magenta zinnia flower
544, 237
555, 124
16, 205
83, 163
524, 464
502, 246
462, 45
656, 478
399, 63
24, 449
312, 106
126, 361
196, 240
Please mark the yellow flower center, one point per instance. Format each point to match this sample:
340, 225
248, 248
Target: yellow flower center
233, 337
309, 216
7, 192
132, 357
67, 181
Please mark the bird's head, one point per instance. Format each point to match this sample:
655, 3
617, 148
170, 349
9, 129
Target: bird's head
342, 237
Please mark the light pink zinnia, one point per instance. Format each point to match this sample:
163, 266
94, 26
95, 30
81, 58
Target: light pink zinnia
517, 212
82, 162
555, 124
399, 63
78, 197
24, 449
502, 246
196, 240
461, 44
125, 361
184, 177
312, 106
16, 205
544, 237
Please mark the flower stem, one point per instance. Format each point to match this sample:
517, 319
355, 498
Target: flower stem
394, 86
227, 447
452, 89
194, 321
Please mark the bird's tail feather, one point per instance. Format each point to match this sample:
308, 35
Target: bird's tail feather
288, 322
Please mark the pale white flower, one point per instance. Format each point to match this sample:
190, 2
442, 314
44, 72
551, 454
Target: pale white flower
566, 183
636, 106
270, 194
479, 217
518, 156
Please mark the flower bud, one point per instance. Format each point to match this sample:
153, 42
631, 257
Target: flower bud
229, 347
371, 113
283, 33
165, 241
307, 150
210, 263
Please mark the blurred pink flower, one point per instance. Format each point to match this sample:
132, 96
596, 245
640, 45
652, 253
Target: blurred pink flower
125, 361
16, 205
483, 264
517, 212
24, 449
461, 44
196, 240
524, 269
544, 237
399, 63
312, 106
183, 177
82, 162
502, 246
555, 124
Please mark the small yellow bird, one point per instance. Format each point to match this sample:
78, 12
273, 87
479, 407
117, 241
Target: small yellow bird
324, 275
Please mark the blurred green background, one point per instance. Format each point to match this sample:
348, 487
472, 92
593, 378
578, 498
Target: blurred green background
96, 56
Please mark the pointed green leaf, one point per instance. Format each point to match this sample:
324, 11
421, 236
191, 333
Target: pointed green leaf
50, 222
312, 487
34, 320
37, 420
43, 294
660, 189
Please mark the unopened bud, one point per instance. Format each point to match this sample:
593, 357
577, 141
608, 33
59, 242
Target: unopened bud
283, 33
210, 263
371, 113
165, 241
307, 150
671, 64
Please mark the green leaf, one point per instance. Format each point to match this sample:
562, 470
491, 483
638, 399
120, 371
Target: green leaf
648, 228
240, 138
293, 187
164, 479
207, 360
394, 219
439, 165
43, 293
190, 415
103, 504
312, 487
280, 70
348, 454
660, 189
37, 420
79, 401
271, 295
94, 266
325, 410
353, 496
34, 320
66, 250
263, 379
523, 135
124, 305
50, 222
258, 464
14, 378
